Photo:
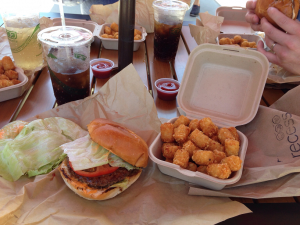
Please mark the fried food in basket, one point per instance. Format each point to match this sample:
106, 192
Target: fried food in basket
238, 41
200, 146
8, 76
112, 32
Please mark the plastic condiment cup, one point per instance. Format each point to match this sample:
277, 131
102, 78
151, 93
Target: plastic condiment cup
101, 72
166, 94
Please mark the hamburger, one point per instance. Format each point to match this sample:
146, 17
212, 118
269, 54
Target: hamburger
104, 163
288, 7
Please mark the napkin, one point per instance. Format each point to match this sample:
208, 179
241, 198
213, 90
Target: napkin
153, 199
272, 163
206, 30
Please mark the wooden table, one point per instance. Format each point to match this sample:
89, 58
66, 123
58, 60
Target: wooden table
40, 98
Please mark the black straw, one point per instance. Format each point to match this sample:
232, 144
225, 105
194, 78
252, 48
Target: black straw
126, 33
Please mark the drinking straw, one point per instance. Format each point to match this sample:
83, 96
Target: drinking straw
62, 16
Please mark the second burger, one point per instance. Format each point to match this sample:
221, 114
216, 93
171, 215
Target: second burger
104, 163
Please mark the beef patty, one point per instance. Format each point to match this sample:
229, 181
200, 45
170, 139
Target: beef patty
106, 180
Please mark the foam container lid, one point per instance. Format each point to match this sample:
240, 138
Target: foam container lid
224, 83
234, 20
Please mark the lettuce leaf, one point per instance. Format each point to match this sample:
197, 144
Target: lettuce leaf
36, 149
86, 154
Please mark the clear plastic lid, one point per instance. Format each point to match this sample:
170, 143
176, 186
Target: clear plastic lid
170, 5
69, 37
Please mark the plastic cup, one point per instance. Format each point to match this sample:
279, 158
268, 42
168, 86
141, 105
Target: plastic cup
168, 18
101, 67
68, 57
22, 29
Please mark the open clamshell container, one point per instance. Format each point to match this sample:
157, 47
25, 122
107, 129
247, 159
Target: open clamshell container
225, 84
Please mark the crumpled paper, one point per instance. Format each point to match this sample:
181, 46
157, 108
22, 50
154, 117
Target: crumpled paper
206, 30
273, 154
280, 76
153, 199
144, 15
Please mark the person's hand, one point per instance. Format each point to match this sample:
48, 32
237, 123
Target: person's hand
251, 17
285, 45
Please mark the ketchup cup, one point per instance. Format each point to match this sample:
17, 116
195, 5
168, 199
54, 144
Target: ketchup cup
167, 88
101, 67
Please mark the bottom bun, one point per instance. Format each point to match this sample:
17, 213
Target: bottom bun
90, 193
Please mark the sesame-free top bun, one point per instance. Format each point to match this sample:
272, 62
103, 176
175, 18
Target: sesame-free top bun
120, 141
288, 7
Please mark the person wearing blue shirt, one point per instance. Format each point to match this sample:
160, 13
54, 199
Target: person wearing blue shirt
285, 43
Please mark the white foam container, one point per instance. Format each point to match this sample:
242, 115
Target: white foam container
98, 30
16, 90
112, 44
225, 84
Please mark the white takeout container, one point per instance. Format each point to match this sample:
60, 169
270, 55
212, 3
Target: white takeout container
249, 37
225, 84
16, 90
112, 44
98, 30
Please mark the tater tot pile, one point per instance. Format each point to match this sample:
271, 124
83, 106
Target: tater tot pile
200, 146
238, 41
112, 32
8, 75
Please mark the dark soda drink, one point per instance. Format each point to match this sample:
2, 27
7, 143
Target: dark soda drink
166, 39
72, 85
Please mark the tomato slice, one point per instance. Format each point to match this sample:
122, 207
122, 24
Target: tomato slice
96, 171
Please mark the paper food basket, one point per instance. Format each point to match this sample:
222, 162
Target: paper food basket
226, 84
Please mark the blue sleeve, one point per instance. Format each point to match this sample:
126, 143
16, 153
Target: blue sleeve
298, 17
103, 2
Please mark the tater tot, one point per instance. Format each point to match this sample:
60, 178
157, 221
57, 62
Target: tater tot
255, 46
232, 147
11, 74
7, 63
114, 27
181, 158
107, 30
116, 35
110, 36
182, 120
251, 44
234, 162
213, 145
1, 70
190, 147
104, 35
194, 124
224, 41
234, 132
192, 166
113, 33
5, 83
165, 145
167, 131
169, 151
208, 127
202, 169
232, 42
181, 133
237, 39
137, 32
200, 139
203, 158
3, 77
221, 171
224, 134
218, 156
137, 37
245, 44
15, 81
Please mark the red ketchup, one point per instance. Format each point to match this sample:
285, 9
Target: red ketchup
101, 68
167, 89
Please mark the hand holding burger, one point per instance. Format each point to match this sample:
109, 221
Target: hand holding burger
277, 18
104, 163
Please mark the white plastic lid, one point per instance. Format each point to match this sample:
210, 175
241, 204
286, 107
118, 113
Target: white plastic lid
170, 5
70, 37
224, 83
